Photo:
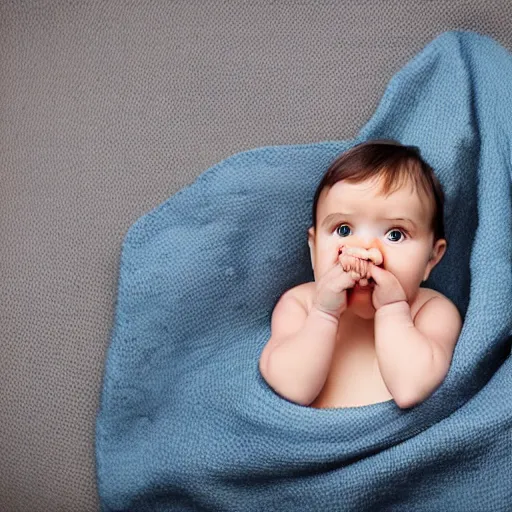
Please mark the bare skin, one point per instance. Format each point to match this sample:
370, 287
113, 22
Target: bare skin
363, 248
354, 378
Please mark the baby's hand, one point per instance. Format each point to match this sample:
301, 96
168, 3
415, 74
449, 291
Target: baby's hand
331, 289
388, 289
355, 261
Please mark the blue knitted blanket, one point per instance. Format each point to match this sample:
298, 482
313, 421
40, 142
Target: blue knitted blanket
186, 421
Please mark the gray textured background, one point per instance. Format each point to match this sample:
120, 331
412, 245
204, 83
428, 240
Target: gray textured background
106, 110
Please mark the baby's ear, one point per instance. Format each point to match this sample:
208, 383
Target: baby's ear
311, 236
438, 251
436, 255
311, 243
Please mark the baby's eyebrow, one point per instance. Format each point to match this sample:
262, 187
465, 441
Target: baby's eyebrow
337, 215
402, 218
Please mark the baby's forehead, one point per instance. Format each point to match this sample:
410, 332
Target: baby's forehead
371, 195
371, 189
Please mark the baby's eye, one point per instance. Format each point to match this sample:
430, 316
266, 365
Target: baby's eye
400, 232
341, 231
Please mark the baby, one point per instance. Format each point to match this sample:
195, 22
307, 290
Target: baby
364, 331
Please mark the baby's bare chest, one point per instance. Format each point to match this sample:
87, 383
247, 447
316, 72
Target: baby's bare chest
354, 378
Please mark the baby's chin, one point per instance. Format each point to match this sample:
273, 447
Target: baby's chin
360, 304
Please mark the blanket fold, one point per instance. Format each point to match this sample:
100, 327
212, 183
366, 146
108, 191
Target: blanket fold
186, 421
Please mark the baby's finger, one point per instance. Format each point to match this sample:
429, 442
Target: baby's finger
372, 254
375, 255
361, 266
339, 254
357, 252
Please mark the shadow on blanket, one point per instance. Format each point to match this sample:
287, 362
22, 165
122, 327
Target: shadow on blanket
186, 421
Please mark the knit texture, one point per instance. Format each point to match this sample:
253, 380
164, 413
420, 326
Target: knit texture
187, 422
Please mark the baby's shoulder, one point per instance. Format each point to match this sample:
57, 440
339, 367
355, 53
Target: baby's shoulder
424, 295
304, 293
429, 293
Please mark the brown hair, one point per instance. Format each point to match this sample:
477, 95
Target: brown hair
396, 164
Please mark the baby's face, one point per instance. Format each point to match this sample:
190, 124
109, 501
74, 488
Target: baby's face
357, 215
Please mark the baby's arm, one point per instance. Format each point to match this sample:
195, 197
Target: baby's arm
414, 358
296, 360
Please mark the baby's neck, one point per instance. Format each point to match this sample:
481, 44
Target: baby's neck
350, 317
352, 329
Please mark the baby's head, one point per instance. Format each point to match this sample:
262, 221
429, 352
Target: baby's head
377, 183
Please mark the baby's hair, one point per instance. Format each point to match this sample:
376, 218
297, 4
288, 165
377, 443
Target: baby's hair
396, 164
